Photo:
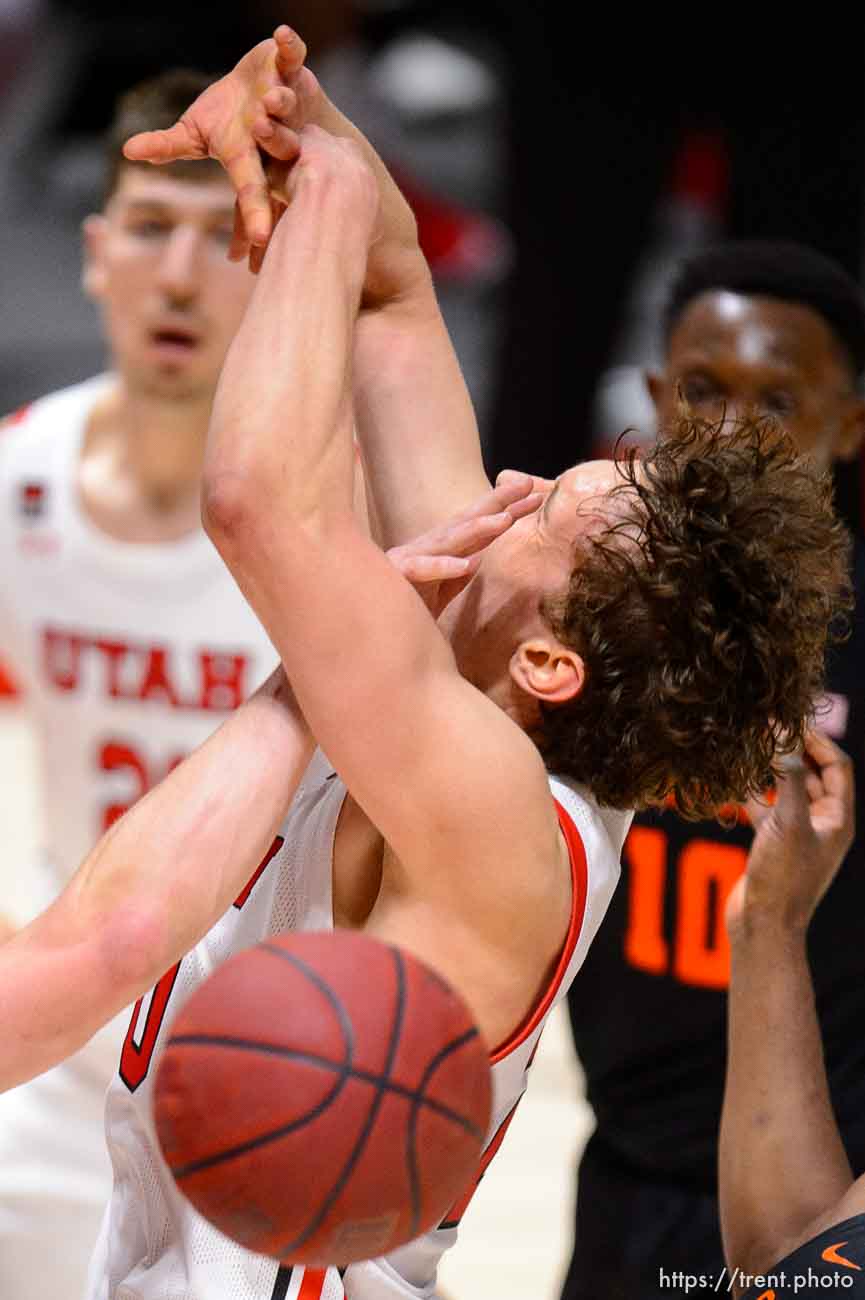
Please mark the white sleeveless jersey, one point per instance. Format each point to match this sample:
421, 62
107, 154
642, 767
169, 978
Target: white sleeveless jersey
153, 1245
130, 653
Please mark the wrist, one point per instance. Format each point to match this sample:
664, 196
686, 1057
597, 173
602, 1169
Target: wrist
768, 930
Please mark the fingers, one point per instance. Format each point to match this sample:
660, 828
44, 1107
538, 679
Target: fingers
792, 802
511, 489
290, 51
834, 768
519, 509
465, 536
238, 249
277, 124
280, 103
178, 142
434, 568
246, 172
279, 141
507, 476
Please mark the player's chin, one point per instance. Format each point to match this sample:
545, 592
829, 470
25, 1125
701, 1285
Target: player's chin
180, 383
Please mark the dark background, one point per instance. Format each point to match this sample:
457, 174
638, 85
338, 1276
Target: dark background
543, 147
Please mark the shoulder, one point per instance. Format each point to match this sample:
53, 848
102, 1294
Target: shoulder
599, 832
25, 431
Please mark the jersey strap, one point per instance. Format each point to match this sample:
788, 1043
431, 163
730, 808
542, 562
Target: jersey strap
579, 889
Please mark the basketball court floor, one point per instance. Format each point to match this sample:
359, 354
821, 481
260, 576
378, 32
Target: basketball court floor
515, 1233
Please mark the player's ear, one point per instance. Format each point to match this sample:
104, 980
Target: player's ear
94, 231
548, 670
852, 430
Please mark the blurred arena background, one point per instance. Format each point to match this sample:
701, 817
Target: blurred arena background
556, 179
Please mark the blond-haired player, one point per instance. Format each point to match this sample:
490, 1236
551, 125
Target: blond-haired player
129, 636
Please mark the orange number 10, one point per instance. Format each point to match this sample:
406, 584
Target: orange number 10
705, 872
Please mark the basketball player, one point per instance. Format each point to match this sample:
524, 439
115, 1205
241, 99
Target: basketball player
558, 654
793, 1218
131, 639
162, 874
779, 328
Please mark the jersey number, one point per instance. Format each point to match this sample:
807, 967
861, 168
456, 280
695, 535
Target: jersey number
137, 1051
116, 756
705, 872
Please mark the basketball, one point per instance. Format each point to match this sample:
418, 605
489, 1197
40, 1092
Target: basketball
323, 1097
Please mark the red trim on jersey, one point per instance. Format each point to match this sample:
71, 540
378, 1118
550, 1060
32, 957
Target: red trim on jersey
312, 1286
8, 685
580, 883
16, 417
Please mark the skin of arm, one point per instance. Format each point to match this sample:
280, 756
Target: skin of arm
415, 419
153, 886
782, 1166
373, 675
164, 874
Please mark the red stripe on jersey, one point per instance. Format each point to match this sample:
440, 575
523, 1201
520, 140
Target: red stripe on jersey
312, 1286
458, 1209
253, 880
579, 882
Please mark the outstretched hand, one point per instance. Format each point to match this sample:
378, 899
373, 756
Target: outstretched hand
800, 842
440, 562
230, 122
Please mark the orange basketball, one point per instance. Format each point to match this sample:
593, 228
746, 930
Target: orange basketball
323, 1098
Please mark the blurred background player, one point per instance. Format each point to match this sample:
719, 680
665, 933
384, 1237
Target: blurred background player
130, 637
779, 329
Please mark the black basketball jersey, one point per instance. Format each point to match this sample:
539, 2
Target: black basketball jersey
648, 1008
831, 1263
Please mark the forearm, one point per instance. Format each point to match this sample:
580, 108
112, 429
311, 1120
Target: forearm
414, 415
153, 886
279, 445
781, 1160
396, 263
415, 420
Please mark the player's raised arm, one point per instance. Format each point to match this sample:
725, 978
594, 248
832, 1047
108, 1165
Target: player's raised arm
413, 410
783, 1169
377, 681
414, 415
153, 886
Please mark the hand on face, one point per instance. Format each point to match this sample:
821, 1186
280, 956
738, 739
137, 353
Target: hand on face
230, 122
799, 845
441, 562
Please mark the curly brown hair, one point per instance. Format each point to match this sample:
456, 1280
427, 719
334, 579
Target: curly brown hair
702, 615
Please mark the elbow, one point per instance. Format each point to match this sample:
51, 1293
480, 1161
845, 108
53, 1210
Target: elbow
136, 951
230, 502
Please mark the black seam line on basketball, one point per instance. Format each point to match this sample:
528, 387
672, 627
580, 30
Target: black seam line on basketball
344, 1071
375, 1105
323, 988
208, 1162
351, 1072
442, 1055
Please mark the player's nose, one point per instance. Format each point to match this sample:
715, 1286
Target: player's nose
180, 267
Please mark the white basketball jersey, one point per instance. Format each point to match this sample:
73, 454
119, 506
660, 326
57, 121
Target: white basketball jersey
153, 1244
130, 653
